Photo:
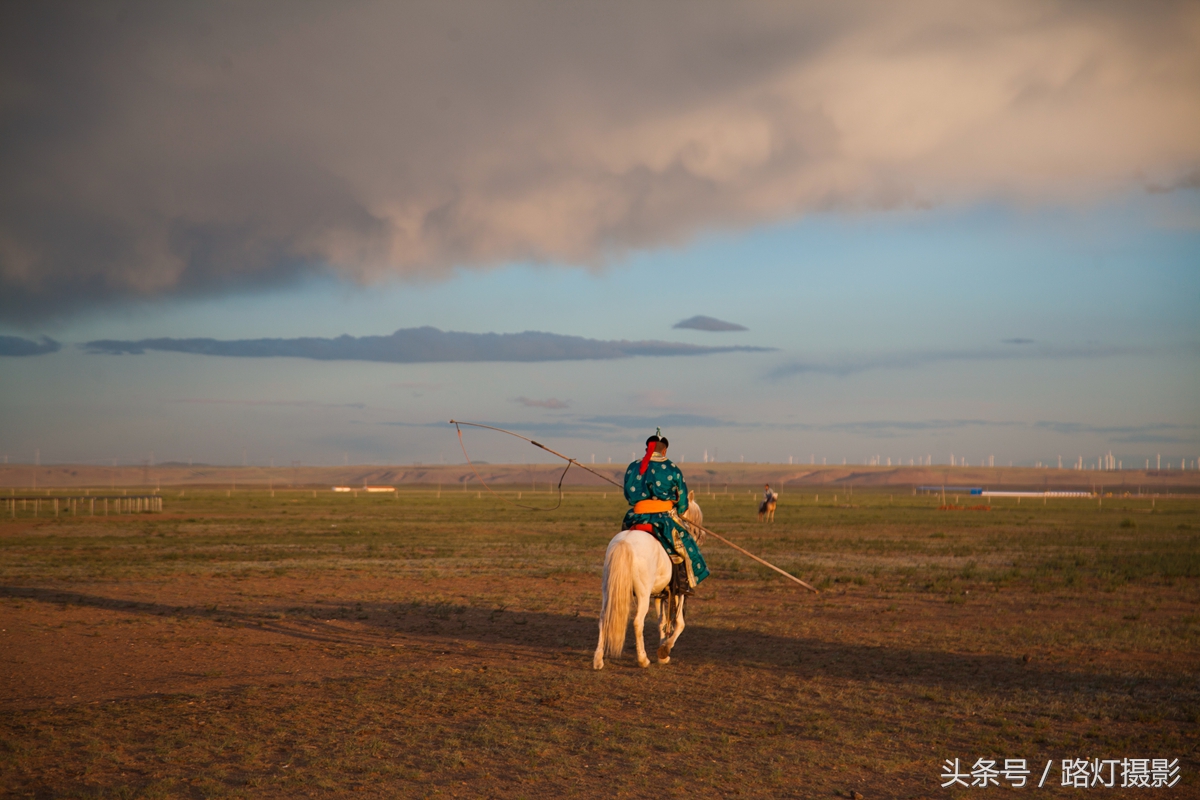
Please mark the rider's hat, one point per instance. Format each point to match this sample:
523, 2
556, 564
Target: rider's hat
651, 443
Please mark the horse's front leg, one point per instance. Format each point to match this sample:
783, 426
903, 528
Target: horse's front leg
639, 622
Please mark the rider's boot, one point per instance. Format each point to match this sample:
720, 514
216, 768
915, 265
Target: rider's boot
679, 580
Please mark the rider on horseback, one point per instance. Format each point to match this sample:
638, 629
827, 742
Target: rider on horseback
655, 488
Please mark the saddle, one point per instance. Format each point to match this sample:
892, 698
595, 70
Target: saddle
679, 585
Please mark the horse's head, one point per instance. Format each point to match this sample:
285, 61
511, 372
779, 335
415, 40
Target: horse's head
694, 515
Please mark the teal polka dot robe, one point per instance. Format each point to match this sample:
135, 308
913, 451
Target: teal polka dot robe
663, 481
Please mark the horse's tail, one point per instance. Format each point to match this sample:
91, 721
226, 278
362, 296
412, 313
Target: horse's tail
618, 589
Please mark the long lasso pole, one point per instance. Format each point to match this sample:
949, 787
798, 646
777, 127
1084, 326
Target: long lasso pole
456, 423
572, 461
746, 552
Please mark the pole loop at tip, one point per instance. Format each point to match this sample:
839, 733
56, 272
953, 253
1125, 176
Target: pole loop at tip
482, 483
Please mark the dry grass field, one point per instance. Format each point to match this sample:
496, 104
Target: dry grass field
321, 645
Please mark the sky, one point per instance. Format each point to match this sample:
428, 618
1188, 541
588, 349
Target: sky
264, 233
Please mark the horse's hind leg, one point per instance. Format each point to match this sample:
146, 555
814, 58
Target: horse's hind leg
666, 644
598, 656
662, 608
639, 622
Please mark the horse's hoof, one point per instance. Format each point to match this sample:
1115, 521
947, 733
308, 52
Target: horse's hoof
598, 662
664, 654
643, 662
664, 660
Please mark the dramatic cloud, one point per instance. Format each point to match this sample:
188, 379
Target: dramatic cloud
548, 403
150, 148
703, 323
417, 345
16, 346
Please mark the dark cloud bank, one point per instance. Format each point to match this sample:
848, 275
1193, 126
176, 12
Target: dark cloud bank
703, 323
17, 346
418, 345
151, 149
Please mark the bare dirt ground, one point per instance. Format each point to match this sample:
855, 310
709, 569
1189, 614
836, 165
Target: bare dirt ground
281, 647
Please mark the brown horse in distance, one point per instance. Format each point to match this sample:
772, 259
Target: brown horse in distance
766, 509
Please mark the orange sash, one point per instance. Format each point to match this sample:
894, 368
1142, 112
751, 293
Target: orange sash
652, 506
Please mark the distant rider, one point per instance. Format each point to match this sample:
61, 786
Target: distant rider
655, 489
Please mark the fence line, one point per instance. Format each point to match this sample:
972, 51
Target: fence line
122, 504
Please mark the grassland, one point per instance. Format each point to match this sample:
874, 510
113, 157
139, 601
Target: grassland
250, 645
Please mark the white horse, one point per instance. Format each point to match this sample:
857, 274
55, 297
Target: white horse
637, 567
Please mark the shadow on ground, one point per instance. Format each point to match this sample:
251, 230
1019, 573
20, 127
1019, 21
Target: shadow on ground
807, 657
